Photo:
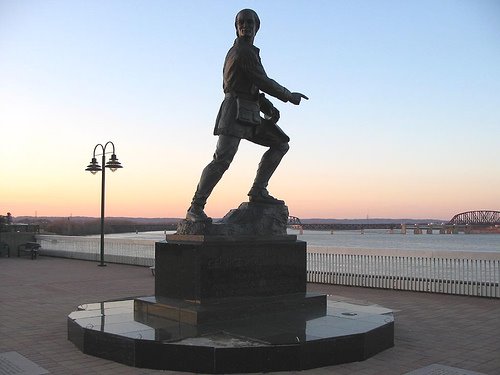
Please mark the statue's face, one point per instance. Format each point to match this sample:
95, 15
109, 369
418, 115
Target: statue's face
246, 25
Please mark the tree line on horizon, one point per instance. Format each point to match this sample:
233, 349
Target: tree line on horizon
84, 226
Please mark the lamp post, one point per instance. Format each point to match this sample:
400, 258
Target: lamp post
94, 167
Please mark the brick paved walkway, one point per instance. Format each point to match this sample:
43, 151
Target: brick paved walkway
37, 295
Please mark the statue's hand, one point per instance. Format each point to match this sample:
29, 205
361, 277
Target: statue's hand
296, 97
275, 116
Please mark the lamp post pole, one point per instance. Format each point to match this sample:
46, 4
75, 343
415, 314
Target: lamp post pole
94, 167
103, 188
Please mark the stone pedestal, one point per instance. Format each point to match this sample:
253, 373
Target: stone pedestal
202, 279
241, 266
208, 269
231, 297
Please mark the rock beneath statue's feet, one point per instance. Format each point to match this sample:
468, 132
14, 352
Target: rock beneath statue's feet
196, 215
263, 196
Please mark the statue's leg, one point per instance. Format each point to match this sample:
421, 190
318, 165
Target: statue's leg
268, 164
212, 173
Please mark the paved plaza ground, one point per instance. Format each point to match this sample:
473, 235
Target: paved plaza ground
37, 295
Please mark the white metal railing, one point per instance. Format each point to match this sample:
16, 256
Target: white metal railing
117, 250
450, 272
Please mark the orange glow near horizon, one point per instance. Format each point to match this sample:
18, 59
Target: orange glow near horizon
132, 192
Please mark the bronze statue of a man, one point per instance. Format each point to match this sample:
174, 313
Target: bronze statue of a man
244, 78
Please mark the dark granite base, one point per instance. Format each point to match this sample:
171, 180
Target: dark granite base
305, 305
198, 268
282, 341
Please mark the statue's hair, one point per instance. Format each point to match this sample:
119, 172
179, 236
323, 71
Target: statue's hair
255, 16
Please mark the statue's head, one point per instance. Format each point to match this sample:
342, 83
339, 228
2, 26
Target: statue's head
247, 23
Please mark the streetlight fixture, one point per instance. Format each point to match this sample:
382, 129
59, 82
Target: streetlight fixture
94, 167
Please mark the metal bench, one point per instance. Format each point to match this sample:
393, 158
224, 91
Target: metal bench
4, 246
30, 248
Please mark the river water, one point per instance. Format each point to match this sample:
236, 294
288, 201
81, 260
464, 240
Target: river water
373, 239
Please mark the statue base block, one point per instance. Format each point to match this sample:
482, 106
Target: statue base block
207, 269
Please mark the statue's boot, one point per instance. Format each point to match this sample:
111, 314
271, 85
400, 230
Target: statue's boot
263, 196
268, 164
195, 213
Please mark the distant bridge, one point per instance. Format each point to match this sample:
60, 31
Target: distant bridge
461, 222
476, 218
294, 222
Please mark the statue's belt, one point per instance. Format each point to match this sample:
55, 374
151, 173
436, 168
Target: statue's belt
253, 98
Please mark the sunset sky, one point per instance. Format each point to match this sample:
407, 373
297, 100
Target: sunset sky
403, 119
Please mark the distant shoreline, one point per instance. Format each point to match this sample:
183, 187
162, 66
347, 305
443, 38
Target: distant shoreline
168, 220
